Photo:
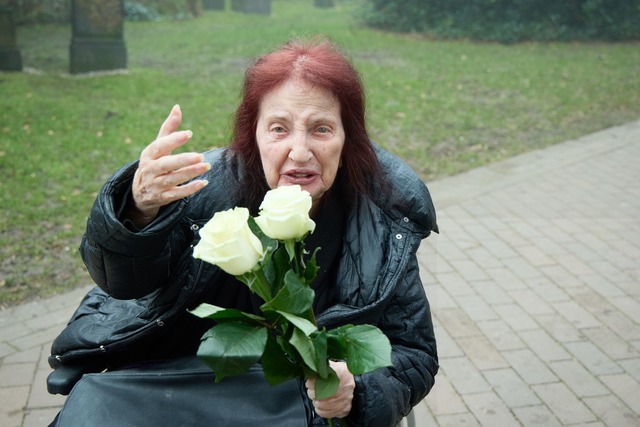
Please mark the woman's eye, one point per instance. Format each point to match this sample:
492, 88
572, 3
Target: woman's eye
277, 129
323, 129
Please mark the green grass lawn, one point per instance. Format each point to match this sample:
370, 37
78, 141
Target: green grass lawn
444, 106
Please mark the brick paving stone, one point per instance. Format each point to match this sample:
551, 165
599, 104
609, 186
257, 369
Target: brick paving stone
582, 382
464, 376
476, 308
559, 328
628, 306
632, 367
443, 399
545, 347
39, 417
490, 410
522, 269
454, 284
620, 324
563, 403
531, 302
593, 358
612, 411
457, 323
423, 416
14, 331
13, 401
16, 374
512, 390
440, 299
501, 335
447, 346
458, 420
506, 279
626, 388
576, 315
516, 317
481, 353
611, 344
536, 416
491, 293
469, 270
547, 290
6, 349
27, 356
530, 368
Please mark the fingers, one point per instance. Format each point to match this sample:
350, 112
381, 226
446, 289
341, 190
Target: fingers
171, 123
165, 145
163, 177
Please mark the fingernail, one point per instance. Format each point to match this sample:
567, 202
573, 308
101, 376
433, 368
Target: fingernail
188, 133
205, 182
176, 107
208, 166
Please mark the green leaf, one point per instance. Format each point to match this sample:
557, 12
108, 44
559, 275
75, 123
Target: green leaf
295, 297
302, 343
277, 366
231, 348
337, 342
367, 349
327, 387
210, 311
303, 324
311, 268
290, 245
319, 340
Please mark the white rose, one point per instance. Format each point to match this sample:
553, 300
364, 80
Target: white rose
228, 242
284, 213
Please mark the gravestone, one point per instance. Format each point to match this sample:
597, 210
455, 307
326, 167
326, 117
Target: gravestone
10, 58
97, 41
261, 7
323, 3
213, 4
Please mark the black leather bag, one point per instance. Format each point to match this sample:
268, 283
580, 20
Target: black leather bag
183, 392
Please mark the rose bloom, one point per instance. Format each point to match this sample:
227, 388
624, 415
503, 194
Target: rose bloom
228, 242
284, 213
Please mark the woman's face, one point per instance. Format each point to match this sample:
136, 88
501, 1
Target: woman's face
300, 138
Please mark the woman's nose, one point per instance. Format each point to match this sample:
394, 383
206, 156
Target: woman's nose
300, 150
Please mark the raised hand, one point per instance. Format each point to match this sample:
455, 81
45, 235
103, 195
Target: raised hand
162, 177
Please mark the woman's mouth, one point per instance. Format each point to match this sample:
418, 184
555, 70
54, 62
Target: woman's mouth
300, 177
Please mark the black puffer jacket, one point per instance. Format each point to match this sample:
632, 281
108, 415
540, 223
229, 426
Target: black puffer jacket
378, 279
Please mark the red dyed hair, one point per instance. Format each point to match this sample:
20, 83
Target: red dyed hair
321, 64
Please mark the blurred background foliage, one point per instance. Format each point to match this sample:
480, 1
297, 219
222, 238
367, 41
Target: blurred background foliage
509, 20
505, 21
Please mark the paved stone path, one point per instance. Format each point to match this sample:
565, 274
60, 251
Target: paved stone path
534, 283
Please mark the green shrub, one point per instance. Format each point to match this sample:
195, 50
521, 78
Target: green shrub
508, 20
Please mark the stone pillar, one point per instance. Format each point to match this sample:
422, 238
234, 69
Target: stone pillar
261, 7
97, 41
323, 3
10, 58
213, 4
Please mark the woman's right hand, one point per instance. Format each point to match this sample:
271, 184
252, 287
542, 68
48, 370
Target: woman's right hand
160, 176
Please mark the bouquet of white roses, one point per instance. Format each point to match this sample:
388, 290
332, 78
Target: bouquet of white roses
267, 254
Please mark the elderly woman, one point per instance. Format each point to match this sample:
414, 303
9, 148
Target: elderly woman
301, 121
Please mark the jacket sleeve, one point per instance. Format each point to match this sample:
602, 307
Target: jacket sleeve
385, 396
125, 262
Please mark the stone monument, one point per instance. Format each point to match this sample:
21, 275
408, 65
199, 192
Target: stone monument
97, 41
261, 7
10, 58
323, 3
213, 4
